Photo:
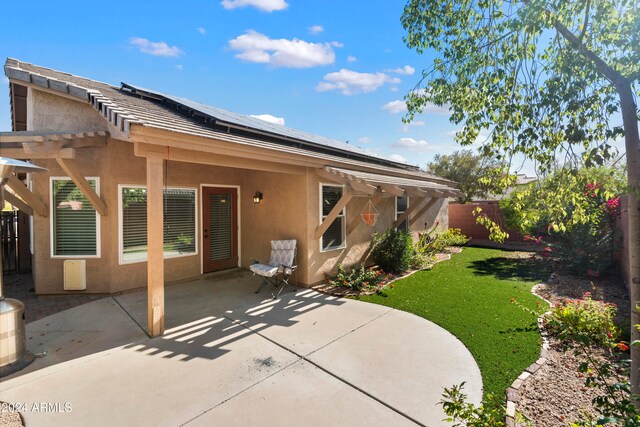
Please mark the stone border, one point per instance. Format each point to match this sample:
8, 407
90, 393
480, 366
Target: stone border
513, 392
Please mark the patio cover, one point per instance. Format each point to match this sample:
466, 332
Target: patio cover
397, 186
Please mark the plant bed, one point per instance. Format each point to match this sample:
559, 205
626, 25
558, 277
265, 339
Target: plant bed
333, 287
557, 395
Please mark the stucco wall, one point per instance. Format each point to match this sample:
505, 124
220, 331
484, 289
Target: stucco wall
359, 241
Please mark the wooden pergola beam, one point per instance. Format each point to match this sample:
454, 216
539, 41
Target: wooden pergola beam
18, 203
43, 136
72, 170
155, 252
201, 157
422, 211
21, 153
342, 179
411, 209
342, 204
29, 198
393, 190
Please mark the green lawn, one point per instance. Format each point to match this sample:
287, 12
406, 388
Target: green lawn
470, 296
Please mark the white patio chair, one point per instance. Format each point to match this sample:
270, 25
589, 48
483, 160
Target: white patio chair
282, 264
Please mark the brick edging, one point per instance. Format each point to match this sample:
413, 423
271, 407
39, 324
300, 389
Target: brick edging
513, 392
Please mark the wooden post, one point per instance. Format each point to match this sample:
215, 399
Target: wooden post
155, 237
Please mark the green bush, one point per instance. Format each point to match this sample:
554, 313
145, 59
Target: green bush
584, 320
393, 251
359, 278
431, 245
461, 413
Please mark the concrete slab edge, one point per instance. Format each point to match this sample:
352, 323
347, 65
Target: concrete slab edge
513, 392
326, 371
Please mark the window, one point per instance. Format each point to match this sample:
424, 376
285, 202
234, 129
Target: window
402, 203
334, 237
74, 222
179, 223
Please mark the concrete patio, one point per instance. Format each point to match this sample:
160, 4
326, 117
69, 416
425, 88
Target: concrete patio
230, 357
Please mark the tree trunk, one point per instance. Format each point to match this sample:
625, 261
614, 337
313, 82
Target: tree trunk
632, 144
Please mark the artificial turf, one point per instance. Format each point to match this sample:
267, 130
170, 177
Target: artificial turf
470, 296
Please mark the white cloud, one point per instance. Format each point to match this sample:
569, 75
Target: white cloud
179, 67
264, 5
415, 123
395, 107
483, 136
397, 158
407, 70
154, 48
315, 29
419, 146
352, 82
202, 30
255, 47
365, 140
269, 118
351, 58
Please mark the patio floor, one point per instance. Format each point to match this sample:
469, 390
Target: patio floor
230, 357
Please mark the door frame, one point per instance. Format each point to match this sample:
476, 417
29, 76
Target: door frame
201, 220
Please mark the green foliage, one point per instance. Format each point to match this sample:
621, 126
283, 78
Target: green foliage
469, 296
359, 278
496, 233
478, 176
537, 76
577, 210
583, 325
393, 251
428, 245
462, 413
584, 320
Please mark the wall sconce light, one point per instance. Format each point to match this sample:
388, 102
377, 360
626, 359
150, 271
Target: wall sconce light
257, 197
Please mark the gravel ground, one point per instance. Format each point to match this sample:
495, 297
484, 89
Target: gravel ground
556, 395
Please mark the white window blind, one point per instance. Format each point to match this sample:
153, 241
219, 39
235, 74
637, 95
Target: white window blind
334, 237
402, 203
179, 223
74, 220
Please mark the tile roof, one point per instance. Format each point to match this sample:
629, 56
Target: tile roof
128, 104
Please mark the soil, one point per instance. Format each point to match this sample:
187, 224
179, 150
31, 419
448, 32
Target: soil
556, 395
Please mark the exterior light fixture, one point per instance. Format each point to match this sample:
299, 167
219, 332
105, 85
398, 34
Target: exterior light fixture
257, 197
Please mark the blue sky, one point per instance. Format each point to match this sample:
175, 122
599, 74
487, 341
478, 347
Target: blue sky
335, 68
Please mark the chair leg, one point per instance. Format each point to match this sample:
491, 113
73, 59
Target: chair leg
265, 282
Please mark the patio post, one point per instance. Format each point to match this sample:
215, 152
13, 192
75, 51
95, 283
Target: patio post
155, 237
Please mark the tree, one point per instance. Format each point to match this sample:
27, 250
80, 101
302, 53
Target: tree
478, 176
547, 79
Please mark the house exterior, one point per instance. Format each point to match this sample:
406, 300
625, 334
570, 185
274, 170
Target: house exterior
149, 188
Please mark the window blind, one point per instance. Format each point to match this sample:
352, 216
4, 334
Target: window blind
333, 238
74, 220
402, 203
179, 222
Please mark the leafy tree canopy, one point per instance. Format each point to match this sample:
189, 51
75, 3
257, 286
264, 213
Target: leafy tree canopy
478, 176
540, 75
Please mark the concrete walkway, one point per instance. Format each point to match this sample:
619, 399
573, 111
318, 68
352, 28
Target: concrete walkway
230, 357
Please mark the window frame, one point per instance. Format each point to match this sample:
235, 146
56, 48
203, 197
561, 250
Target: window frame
343, 215
121, 260
395, 209
52, 248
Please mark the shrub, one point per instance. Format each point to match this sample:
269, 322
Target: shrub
461, 413
576, 211
584, 320
359, 278
427, 244
393, 251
